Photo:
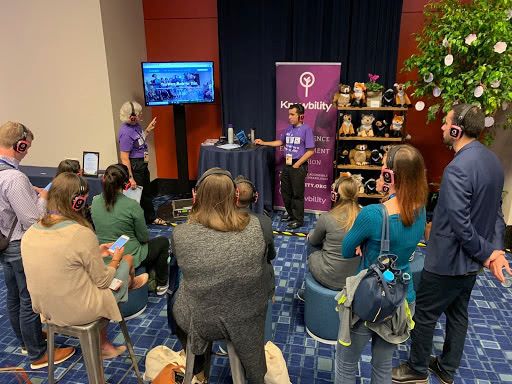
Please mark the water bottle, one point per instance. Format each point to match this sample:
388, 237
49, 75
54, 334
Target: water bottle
388, 276
508, 279
230, 134
253, 135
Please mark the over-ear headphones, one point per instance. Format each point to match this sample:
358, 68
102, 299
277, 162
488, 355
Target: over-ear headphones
335, 196
387, 172
126, 177
214, 171
133, 115
242, 179
21, 145
457, 130
79, 198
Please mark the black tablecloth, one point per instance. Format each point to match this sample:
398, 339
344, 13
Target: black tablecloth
254, 162
41, 176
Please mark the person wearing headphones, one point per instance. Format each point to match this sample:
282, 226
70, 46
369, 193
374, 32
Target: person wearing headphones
134, 154
21, 205
299, 146
467, 234
115, 214
225, 290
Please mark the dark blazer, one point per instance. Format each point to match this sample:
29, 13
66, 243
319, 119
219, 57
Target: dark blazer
468, 221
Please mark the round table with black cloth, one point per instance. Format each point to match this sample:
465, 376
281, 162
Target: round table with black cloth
253, 162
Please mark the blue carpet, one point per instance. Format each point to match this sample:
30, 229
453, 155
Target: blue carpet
487, 356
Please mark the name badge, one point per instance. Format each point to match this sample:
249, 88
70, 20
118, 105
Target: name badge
289, 159
146, 156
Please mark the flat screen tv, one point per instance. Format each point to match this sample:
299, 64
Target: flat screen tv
167, 83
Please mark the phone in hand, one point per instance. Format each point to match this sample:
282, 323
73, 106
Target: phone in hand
115, 284
120, 242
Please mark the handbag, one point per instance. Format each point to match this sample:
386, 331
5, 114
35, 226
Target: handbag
384, 287
171, 374
4, 241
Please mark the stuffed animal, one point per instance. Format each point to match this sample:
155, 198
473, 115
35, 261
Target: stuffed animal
396, 126
380, 128
375, 157
342, 97
344, 157
358, 95
370, 186
401, 98
388, 98
346, 129
366, 125
359, 155
384, 149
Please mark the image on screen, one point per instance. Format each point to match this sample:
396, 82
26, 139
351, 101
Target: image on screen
178, 82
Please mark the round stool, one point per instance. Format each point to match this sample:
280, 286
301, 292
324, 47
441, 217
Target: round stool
137, 300
322, 320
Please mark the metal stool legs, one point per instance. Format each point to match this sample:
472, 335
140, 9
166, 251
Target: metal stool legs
129, 345
237, 370
91, 351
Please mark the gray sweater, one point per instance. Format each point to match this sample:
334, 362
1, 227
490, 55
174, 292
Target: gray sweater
224, 290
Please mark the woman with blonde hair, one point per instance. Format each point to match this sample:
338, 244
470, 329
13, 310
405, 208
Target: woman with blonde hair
66, 276
403, 177
225, 288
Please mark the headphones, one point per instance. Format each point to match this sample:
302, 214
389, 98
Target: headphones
456, 131
242, 179
126, 176
133, 115
79, 198
214, 171
387, 173
21, 145
335, 196
300, 111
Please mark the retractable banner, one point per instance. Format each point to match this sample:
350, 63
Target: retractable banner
312, 85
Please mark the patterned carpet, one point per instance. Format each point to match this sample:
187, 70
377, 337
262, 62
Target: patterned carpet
487, 355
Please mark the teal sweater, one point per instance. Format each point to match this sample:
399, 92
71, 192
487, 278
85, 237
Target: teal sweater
403, 240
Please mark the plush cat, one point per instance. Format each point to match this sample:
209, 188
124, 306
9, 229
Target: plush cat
358, 95
365, 130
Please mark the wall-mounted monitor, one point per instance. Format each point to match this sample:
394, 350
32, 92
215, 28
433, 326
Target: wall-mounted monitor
167, 83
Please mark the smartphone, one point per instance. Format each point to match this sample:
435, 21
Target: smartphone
115, 284
120, 242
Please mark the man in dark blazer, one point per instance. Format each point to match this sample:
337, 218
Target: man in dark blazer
467, 234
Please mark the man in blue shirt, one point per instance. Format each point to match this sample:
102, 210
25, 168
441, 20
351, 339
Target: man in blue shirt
299, 146
467, 234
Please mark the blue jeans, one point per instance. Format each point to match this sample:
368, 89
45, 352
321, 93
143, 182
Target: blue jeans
348, 357
25, 323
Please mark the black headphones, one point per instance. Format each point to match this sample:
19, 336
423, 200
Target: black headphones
242, 179
126, 177
214, 171
456, 131
79, 198
133, 115
21, 145
387, 173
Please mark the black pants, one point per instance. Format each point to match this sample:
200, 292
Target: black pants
158, 253
436, 295
141, 175
292, 190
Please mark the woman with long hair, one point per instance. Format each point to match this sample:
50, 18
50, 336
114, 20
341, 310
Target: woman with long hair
66, 276
115, 214
225, 286
404, 169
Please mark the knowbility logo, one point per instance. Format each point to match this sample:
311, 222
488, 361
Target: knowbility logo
307, 79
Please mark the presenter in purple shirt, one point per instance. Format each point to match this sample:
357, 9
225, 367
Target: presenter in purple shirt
299, 146
134, 154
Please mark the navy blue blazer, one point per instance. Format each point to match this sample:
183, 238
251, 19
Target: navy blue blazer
468, 221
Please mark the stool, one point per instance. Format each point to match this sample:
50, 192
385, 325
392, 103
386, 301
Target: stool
137, 300
89, 336
322, 320
237, 370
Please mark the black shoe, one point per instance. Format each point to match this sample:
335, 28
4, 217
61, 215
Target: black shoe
294, 225
435, 368
404, 374
287, 217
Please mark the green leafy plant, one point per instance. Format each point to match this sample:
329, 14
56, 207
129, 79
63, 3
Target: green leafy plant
372, 85
465, 55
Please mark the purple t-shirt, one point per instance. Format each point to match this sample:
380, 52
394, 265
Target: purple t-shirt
131, 139
297, 139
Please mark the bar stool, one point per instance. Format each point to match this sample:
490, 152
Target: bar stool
237, 370
89, 336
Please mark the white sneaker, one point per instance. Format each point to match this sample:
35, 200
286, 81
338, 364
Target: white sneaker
162, 289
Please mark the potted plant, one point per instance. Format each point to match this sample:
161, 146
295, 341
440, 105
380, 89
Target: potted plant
373, 91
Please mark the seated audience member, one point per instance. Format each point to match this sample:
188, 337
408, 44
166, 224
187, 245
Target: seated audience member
328, 266
405, 206
66, 276
20, 207
225, 287
67, 165
114, 215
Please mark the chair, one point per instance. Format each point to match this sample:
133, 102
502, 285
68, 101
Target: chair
237, 370
322, 320
89, 336
137, 300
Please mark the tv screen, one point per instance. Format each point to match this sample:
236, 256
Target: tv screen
178, 82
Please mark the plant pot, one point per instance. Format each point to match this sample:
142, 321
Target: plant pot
374, 98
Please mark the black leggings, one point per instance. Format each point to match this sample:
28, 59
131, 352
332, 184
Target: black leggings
158, 253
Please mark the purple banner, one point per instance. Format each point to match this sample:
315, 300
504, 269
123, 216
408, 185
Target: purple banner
312, 85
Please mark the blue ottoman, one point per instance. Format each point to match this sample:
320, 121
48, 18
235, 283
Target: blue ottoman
137, 300
322, 320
